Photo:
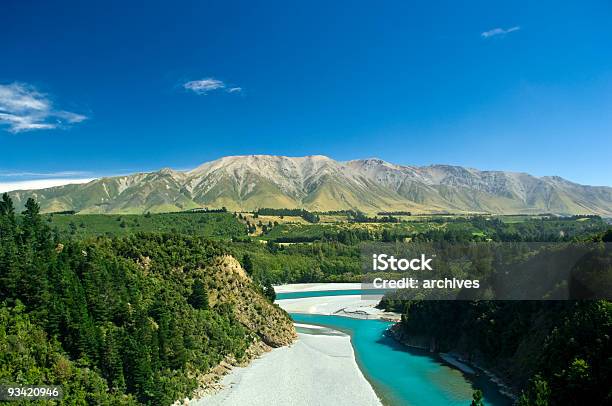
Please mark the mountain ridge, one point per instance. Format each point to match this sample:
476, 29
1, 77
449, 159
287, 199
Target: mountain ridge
319, 183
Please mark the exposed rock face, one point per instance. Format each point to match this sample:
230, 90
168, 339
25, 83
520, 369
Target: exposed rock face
320, 183
230, 284
270, 326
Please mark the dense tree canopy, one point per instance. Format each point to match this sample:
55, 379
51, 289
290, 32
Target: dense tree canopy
112, 319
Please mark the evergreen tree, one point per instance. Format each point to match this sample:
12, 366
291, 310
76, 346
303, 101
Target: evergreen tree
247, 264
6, 207
477, 398
32, 283
31, 218
268, 290
112, 362
8, 243
199, 296
537, 394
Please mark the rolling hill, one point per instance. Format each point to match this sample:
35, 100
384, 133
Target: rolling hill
320, 183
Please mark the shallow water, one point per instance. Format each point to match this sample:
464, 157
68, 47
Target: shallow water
404, 376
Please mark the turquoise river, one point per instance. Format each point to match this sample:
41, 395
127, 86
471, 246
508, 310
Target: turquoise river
401, 375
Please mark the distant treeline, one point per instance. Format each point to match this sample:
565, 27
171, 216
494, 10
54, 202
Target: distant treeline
442, 213
334, 212
305, 214
297, 239
394, 213
205, 210
356, 216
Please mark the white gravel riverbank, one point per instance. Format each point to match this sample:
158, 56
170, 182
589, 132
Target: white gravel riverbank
315, 370
358, 306
329, 305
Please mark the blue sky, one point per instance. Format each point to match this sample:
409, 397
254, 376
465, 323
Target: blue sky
101, 88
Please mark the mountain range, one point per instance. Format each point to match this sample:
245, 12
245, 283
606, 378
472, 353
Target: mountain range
319, 183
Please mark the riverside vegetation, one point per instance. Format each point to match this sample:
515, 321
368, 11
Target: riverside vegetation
557, 353
137, 308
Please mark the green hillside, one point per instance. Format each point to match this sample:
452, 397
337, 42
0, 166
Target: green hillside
133, 319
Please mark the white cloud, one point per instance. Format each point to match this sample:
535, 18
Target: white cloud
58, 174
23, 108
499, 31
39, 184
203, 86
70, 117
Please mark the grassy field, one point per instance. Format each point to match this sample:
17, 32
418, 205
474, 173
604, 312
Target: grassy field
213, 225
260, 220
333, 218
